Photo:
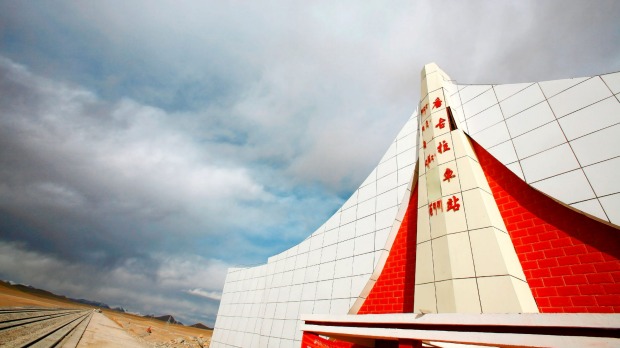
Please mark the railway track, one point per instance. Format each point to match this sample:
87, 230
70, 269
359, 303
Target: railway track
42, 327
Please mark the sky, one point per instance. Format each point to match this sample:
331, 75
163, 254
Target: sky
147, 146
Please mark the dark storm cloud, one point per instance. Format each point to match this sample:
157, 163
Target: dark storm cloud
149, 146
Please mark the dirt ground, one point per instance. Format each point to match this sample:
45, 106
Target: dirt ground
161, 335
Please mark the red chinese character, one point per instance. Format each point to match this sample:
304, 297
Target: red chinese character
429, 159
437, 103
424, 108
424, 143
443, 147
426, 123
448, 174
434, 207
453, 204
441, 124
423, 129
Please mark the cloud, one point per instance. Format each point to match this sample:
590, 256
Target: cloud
214, 295
153, 145
127, 284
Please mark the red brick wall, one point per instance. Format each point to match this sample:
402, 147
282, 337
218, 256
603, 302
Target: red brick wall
393, 291
570, 260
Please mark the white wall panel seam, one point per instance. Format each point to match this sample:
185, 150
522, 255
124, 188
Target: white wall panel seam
571, 146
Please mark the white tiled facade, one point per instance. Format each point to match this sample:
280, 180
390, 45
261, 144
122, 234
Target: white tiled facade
328, 271
561, 137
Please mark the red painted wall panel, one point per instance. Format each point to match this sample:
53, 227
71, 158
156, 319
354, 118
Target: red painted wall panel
570, 260
393, 291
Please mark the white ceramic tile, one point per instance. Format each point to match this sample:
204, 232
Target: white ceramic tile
312, 273
433, 184
351, 202
387, 167
592, 207
611, 204
437, 220
422, 193
444, 149
579, 96
339, 306
454, 214
381, 237
434, 105
603, 177
385, 218
348, 215
538, 166
299, 276
481, 210
538, 140
485, 119
342, 288
330, 237
372, 178
458, 296
410, 127
366, 208
530, 119
365, 225
390, 153
363, 264
364, 244
468, 92
452, 257
333, 222
424, 229
316, 242
346, 232
556, 187
504, 152
345, 249
328, 253
504, 294
492, 136
407, 157
424, 300
551, 88
523, 100
462, 145
387, 183
598, 146
488, 257
324, 289
405, 175
321, 307
344, 268
454, 100
471, 175
505, 91
516, 169
612, 81
387, 200
404, 144
367, 192
603, 114
479, 103
449, 176
357, 284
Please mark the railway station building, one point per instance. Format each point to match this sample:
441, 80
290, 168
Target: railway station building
492, 219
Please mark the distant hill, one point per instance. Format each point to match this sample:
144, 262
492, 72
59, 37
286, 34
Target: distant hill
201, 326
90, 303
166, 318
32, 290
